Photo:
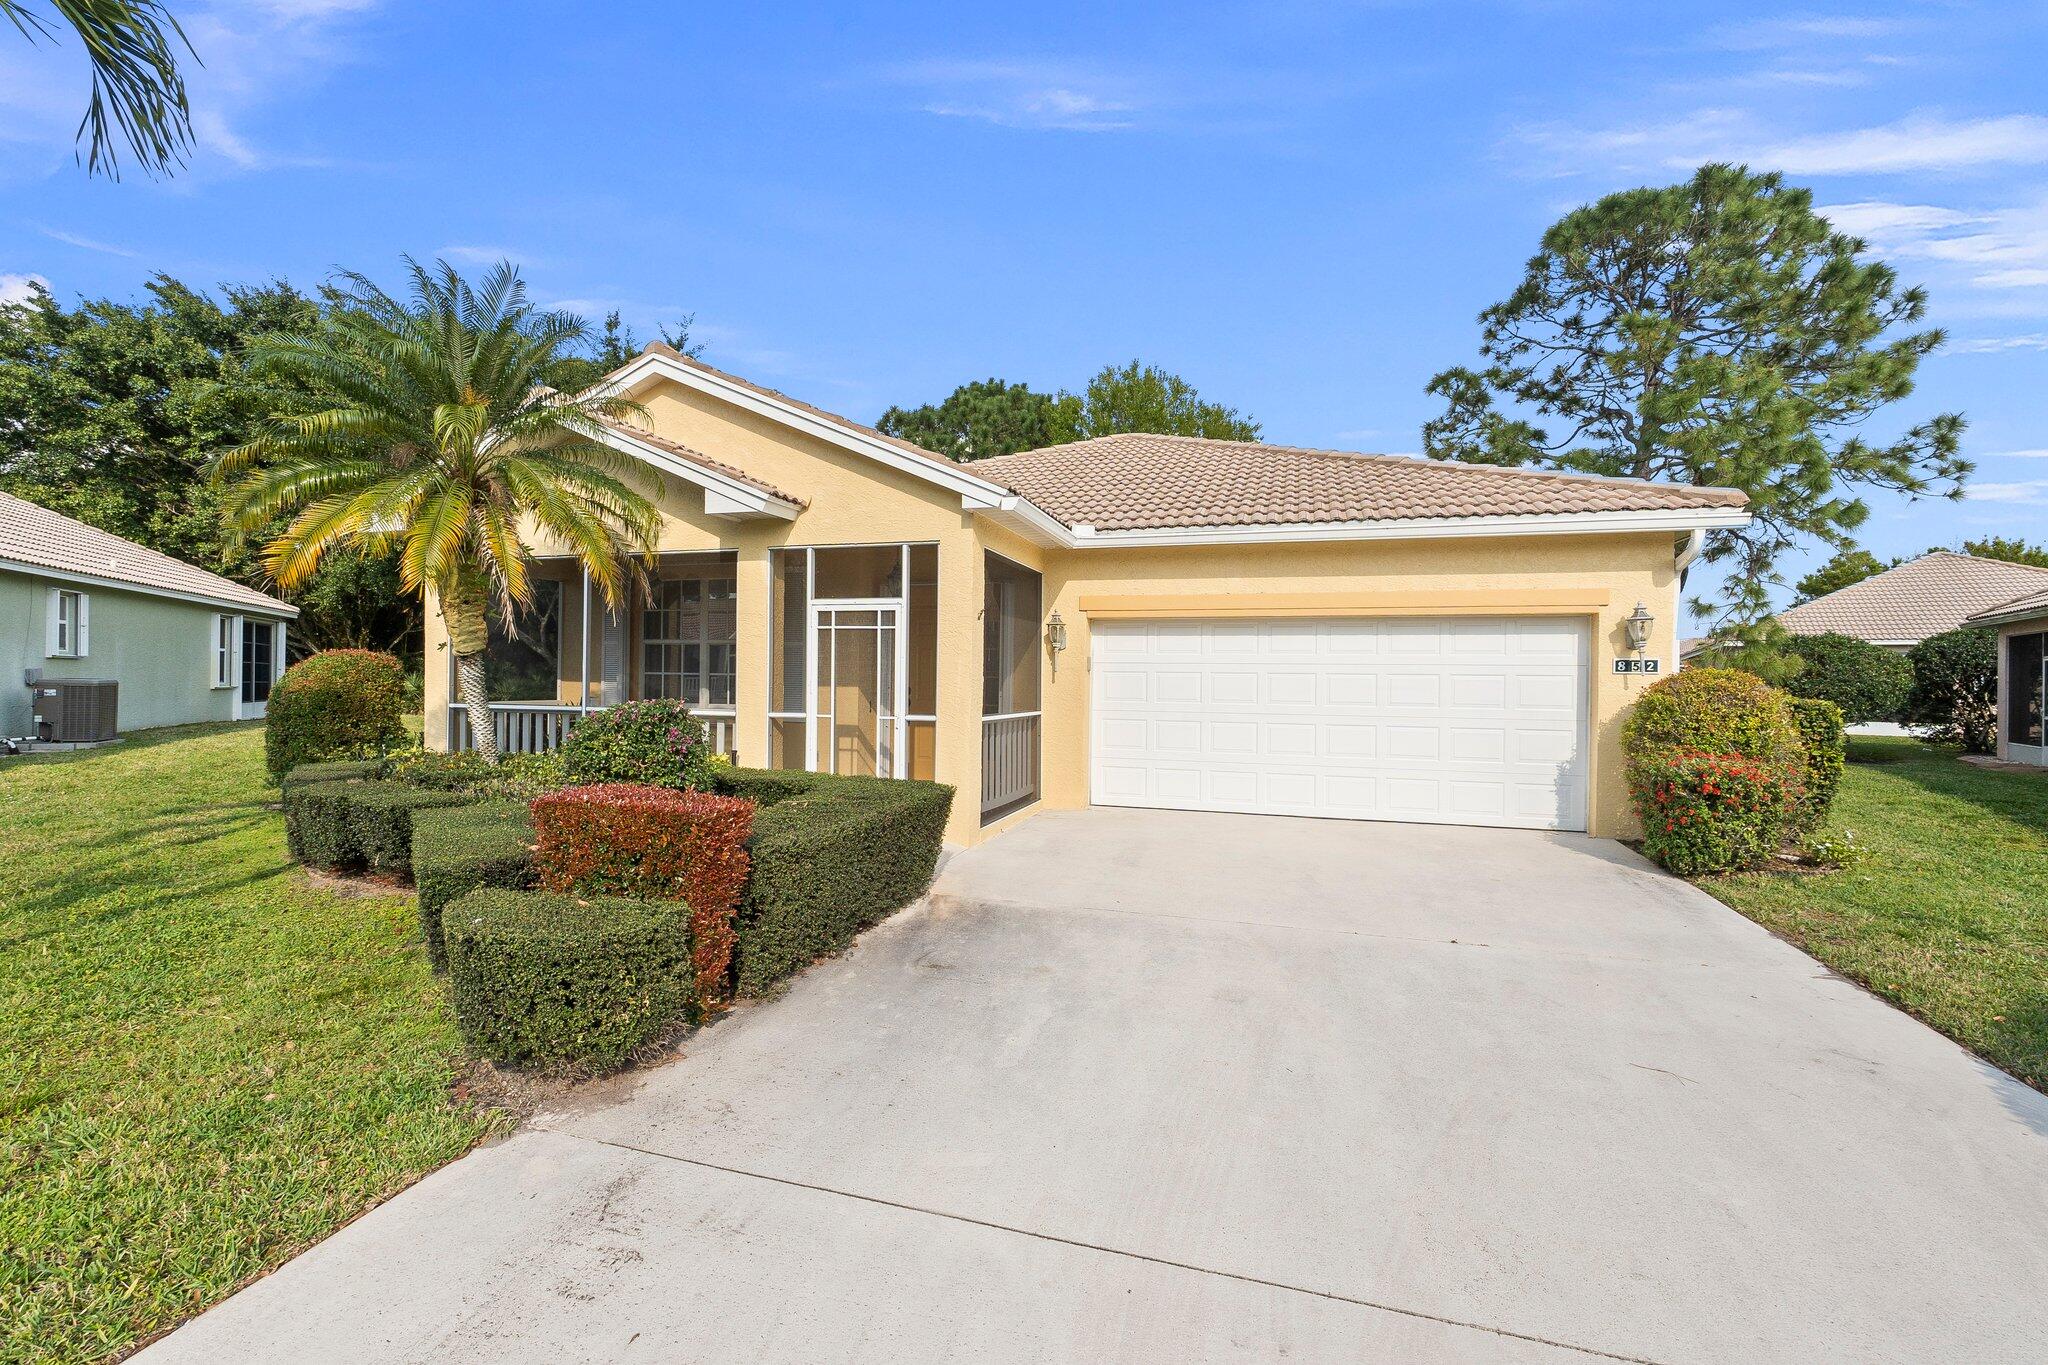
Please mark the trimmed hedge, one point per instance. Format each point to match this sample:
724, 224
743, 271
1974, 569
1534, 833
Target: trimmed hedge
831, 856
351, 824
339, 703
1825, 747
549, 980
1955, 688
1715, 711
653, 843
460, 849
1710, 812
1869, 682
338, 770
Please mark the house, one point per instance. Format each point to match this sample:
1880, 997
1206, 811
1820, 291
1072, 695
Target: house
2022, 626
1131, 620
1907, 603
78, 602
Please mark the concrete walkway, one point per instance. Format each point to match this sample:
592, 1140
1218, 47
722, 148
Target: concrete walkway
1158, 1086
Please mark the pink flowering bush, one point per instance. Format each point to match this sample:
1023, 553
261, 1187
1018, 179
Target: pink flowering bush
657, 743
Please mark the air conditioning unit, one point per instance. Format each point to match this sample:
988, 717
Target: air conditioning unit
76, 710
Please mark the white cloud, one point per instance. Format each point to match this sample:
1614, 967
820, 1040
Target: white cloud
1060, 96
1919, 142
2032, 341
2018, 455
484, 255
85, 243
1801, 30
2026, 491
19, 288
2000, 248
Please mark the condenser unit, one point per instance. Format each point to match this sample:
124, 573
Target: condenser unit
76, 710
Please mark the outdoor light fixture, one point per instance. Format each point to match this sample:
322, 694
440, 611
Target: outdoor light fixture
1055, 640
1638, 627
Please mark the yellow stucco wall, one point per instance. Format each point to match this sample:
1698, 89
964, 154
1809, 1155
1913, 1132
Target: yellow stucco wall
855, 500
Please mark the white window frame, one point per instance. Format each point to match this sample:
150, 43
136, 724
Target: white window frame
227, 651
69, 629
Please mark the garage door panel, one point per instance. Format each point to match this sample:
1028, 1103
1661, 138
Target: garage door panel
1464, 721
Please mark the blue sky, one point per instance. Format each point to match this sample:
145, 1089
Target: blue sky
1300, 207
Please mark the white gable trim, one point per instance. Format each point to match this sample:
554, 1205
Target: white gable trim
724, 496
975, 493
1027, 519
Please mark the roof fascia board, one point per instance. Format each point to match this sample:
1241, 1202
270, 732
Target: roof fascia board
723, 495
1414, 528
282, 610
977, 494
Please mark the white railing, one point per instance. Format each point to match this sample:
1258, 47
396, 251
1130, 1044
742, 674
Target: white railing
1009, 759
537, 727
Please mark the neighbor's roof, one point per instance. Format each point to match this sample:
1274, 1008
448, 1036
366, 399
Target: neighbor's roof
1141, 482
38, 538
2025, 607
1926, 596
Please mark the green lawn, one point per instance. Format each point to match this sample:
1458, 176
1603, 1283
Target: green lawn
1949, 916
205, 1064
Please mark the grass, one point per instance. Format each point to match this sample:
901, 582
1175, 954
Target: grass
205, 1063
1948, 917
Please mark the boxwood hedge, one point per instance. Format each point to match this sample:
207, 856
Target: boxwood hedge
548, 980
460, 849
351, 824
831, 856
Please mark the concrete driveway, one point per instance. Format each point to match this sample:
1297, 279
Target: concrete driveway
1156, 1086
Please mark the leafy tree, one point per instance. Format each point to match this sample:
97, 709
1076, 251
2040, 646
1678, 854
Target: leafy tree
1869, 682
138, 96
117, 408
1714, 332
441, 442
2012, 550
1955, 688
612, 347
1761, 648
984, 418
1137, 397
1847, 567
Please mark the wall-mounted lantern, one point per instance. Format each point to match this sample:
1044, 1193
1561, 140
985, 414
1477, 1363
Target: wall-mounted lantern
1637, 627
1055, 640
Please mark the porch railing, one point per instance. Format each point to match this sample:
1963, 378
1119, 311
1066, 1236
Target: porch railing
1009, 759
537, 727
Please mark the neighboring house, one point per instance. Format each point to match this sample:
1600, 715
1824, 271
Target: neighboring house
1905, 604
77, 602
1131, 620
2022, 626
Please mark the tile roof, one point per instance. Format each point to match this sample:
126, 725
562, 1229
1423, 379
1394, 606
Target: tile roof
1138, 482
2024, 607
1926, 596
47, 540
703, 461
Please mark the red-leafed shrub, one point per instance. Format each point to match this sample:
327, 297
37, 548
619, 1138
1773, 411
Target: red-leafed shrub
1711, 812
652, 843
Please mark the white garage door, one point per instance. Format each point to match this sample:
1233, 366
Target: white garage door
1466, 720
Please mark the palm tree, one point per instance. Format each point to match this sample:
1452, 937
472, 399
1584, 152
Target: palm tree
442, 442
136, 86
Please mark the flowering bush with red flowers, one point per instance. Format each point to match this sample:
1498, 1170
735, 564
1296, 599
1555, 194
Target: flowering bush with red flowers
652, 843
1706, 812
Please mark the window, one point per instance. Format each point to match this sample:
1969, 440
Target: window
223, 651
687, 640
2024, 685
258, 661
67, 624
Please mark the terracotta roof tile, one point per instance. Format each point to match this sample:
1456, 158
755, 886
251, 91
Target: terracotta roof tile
699, 458
35, 535
1922, 597
2024, 607
1142, 482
